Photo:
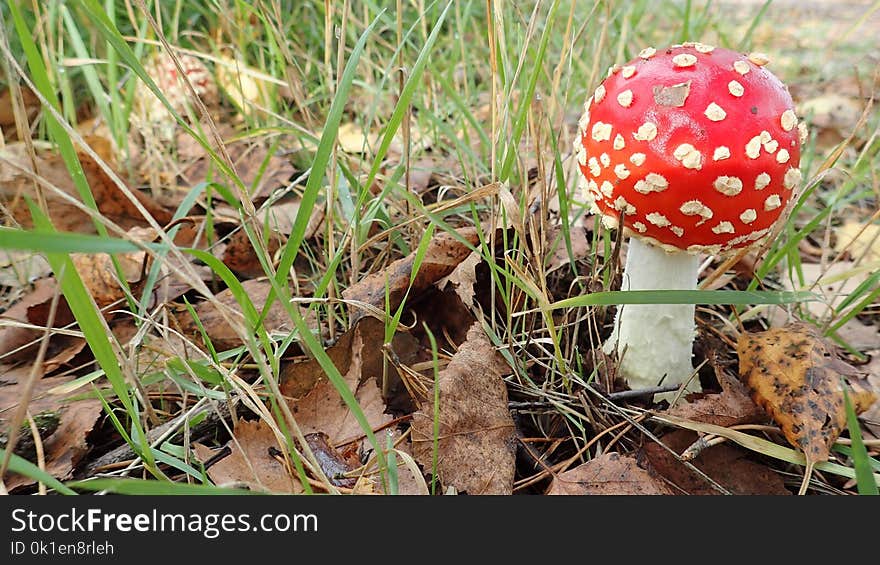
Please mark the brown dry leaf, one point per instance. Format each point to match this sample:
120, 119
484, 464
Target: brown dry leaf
99, 274
726, 464
732, 406
796, 377
67, 444
248, 157
476, 446
558, 252
220, 333
251, 461
240, 256
17, 181
323, 410
7, 112
298, 379
609, 473
20, 344
442, 256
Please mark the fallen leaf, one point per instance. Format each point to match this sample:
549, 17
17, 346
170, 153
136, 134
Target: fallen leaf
218, 330
251, 461
19, 343
610, 473
17, 180
7, 112
558, 250
732, 406
476, 448
442, 256
796, 377
99, 275
260, 171
727, 465
66, 445
323, 410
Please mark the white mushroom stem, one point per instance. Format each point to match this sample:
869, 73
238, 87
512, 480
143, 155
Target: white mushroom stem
654, 340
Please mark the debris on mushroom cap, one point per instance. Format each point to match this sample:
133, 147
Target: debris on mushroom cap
708, 170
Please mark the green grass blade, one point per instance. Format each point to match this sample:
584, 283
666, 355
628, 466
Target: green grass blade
865, 481
67, 242
152, 488
24, 467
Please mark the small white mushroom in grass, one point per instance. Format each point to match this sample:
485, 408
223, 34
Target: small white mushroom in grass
711, 206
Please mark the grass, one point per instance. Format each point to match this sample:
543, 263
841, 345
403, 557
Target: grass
496, 89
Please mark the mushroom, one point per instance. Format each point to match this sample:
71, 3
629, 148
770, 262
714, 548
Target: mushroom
692, 150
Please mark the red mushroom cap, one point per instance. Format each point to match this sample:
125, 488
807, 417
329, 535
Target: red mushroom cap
698, 148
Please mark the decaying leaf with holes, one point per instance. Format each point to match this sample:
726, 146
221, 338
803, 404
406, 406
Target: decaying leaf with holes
475, 439
797, 377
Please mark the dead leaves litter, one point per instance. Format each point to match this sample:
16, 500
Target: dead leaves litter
609, 474
797, 377
476, 441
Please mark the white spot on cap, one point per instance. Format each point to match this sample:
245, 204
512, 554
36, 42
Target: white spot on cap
595, 169
658, 219
721, 153
715, 112
735, 88
759, 59
788, 120
703, 48
583, 123
696, 208
619, 142
723, 227
677, 230
773, 202
621, 171
748, 216
803, 134
771, 146
640, 227
689, 156
637, 159
684, 60
581, 154
651, 183
765, 136
601, 131
621, 204
625, 98
741, 67
782, 156
615, 68
607, 189
761, 181
646, 132
792, 178
753, 147
628, 71
647, 53
599, 95
604, 159
729, 186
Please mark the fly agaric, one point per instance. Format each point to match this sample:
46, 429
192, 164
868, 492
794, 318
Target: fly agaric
691, 150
